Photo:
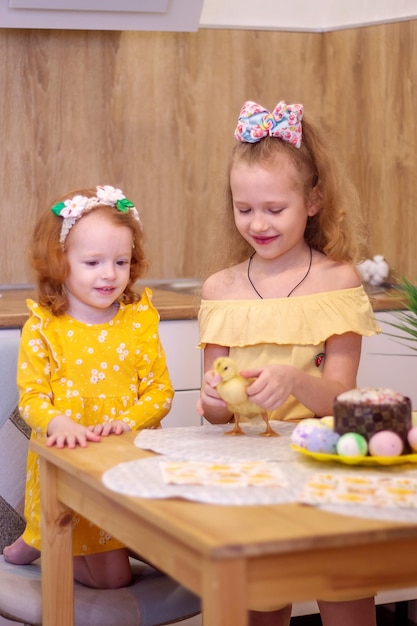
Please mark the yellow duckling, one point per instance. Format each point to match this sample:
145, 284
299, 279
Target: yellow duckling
231, 387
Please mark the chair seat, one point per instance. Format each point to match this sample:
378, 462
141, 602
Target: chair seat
152, 599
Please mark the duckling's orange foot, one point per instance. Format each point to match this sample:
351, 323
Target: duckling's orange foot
235, 431
270, 433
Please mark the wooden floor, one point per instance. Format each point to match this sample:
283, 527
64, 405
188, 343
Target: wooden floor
385, 617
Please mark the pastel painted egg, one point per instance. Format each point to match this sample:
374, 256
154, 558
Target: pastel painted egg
322, 440
327, 420
412, 438
385, 443
352, 444
304, 429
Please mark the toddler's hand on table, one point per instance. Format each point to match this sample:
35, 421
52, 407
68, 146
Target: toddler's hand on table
63, 432
272, 387
116, 427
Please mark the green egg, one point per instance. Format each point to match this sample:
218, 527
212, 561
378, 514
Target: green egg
352, 444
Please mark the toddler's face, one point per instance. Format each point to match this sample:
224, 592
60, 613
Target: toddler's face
99, 255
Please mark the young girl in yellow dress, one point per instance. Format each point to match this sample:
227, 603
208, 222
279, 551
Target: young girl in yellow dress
91, 363
289, 306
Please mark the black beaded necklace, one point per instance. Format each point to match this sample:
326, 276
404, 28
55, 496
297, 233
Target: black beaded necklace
294, 288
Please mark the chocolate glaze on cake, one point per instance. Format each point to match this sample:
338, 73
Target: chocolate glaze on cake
369, 410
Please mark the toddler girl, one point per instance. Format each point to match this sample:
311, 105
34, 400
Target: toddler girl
91, 363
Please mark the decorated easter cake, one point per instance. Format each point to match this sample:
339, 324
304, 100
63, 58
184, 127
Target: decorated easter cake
369, 410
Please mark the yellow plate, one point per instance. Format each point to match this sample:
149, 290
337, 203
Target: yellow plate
358, 460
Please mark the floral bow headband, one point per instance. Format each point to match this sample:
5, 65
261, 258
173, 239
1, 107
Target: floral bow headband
255, 123
72, 209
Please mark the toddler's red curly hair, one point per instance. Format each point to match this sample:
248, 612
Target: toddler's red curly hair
48, 258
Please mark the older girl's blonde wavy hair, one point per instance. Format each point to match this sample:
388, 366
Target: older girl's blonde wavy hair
48, 258
337, 229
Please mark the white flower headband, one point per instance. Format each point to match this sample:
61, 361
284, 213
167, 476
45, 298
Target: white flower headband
72, 209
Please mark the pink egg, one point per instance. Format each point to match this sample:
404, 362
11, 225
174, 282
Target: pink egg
412, 438
385, 443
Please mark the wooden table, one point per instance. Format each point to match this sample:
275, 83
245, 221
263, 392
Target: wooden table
235, 557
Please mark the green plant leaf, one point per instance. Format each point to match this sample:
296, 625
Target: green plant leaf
407, 320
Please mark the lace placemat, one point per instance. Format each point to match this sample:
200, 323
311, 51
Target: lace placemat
145, 479
202, 450
209, 443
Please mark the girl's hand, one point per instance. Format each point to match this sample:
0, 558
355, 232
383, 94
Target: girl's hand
116, 427
63, 432
273, 385
208, 394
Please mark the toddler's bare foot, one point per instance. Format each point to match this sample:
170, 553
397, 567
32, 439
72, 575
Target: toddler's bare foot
20, 553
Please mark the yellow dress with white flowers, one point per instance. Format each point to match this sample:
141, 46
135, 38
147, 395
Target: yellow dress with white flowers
93, 373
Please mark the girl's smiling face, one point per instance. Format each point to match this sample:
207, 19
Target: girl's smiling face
99, 255
269, 205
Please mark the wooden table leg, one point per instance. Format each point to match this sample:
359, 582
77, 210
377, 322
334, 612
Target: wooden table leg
56, 560
224, 593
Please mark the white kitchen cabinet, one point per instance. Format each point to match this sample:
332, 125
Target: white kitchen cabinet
157, 15
389, 362
9, 348
183, 412
11, 438
185, 364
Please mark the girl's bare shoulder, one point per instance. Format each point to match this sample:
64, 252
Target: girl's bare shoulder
227, 284
336, 275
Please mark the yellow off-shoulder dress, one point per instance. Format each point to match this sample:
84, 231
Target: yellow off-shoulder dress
291, 331
93, 373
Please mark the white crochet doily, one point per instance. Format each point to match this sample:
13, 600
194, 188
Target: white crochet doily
294, 473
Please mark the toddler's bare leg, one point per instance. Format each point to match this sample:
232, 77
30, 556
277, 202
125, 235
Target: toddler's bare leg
104, 570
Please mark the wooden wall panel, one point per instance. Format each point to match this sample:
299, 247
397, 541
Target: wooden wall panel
370, 97
154, 113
